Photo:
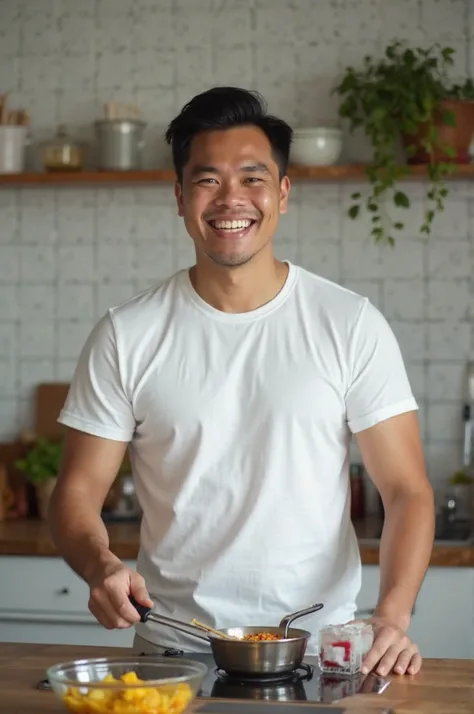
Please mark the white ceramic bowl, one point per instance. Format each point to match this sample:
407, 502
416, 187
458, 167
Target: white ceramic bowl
319, 146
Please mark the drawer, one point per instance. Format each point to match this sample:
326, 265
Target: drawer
38, 585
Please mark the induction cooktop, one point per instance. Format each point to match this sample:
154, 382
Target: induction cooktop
306, 683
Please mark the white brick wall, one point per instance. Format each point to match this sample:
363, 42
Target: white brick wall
68, 254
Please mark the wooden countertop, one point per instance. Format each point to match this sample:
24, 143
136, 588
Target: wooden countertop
31, 537
442, 686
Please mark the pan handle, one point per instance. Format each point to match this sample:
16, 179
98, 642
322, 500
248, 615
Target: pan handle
288, 619
147, 614
142, 610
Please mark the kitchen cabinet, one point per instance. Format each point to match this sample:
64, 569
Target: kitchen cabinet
443, 617
43, 600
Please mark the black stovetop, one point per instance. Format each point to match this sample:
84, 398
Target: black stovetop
305, 684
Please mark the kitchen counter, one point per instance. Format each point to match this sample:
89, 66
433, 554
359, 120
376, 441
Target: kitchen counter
31, 537
442, 687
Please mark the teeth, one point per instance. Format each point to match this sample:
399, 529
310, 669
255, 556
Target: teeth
231, 225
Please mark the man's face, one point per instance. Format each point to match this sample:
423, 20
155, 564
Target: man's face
231, 195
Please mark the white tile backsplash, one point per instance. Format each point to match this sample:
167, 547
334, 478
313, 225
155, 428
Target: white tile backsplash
10, 216
450, 300
404, 299
321, 257
37, 302
78, 34
115, 261
111, 294
38, 263
71, 337
9, 264
37, 339
68, 254
411, 338
443, 458
75, 301
76, 263
449, 259
9, 301
446, 381
450, 340
445, 420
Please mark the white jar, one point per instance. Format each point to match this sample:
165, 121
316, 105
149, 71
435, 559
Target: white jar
318, 146
13, 142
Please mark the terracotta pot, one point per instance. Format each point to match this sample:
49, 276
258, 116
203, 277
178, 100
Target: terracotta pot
43, 494
459, 136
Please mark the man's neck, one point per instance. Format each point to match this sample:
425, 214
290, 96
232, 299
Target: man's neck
240, 289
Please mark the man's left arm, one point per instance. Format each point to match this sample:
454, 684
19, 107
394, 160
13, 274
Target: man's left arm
393, 456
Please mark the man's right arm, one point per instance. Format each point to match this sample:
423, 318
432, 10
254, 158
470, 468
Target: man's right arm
89, 467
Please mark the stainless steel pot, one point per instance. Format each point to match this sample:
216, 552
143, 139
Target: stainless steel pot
120, 144
241, 658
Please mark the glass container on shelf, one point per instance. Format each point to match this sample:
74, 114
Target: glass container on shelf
62, 153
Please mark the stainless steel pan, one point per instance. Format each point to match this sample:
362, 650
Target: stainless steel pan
241, 658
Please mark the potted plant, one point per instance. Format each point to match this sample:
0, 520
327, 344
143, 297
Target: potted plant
41, 466
461, 487
407, 97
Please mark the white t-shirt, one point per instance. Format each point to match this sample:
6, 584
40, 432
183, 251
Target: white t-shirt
240, 426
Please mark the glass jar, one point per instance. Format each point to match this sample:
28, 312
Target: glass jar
62, 153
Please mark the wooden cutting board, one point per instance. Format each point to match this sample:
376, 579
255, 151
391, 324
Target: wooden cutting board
49, 401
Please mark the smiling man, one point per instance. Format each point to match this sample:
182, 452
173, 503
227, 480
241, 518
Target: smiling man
237, 385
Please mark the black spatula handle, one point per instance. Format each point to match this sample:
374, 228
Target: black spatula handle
142, 610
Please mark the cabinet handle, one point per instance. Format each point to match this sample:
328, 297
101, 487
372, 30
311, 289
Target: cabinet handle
63, 591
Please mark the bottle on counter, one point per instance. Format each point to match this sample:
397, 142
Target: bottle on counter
356, 475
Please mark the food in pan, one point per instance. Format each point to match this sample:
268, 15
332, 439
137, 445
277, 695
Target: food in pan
113, 699
261, 637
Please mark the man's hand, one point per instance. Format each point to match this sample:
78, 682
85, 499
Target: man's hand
109, 592
392, 650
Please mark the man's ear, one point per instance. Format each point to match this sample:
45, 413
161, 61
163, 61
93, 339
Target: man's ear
285, 187
178, 192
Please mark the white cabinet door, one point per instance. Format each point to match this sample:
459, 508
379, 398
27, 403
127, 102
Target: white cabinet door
43, 600
64, 634
443, 618
443, 625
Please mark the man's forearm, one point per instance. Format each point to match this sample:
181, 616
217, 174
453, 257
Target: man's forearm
79, 534
405, 550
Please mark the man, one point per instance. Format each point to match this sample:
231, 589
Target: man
236, 386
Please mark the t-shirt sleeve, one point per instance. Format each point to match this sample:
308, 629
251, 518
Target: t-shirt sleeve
96, 402
379, 387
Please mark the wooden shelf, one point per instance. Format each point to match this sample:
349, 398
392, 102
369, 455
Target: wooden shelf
87, 178
352, 172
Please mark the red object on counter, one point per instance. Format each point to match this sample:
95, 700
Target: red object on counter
346, 646
356, 472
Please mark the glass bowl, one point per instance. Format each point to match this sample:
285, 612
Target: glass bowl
129, 685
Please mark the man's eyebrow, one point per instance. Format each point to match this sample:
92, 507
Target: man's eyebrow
247, 168
256, 168
201, 169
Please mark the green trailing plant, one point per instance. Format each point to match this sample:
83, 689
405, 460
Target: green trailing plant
41, 462
391, 98
461, 478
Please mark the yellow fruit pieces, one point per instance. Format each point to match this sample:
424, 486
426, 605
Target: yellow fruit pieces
164, 699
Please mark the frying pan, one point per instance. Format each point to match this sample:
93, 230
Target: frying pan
241, 658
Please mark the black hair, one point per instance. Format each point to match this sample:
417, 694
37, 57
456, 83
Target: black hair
224, 108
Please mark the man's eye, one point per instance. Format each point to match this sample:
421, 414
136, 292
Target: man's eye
207, 180
253, 179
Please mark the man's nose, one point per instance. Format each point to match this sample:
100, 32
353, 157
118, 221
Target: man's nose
229, 195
